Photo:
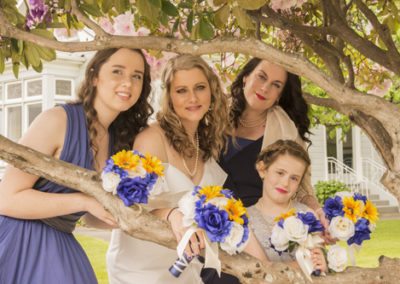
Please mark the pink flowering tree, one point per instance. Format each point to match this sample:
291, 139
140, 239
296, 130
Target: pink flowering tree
347, 53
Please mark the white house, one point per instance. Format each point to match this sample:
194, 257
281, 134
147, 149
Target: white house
352, 160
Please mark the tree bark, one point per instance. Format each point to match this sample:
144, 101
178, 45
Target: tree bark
140, 224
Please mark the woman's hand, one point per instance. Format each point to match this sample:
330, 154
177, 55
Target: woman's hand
94, 207
196, 242
329, 240
318, 260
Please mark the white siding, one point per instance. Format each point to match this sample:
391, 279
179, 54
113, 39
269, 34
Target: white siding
317, 153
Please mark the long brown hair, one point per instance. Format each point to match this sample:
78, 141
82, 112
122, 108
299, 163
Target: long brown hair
213, 126
128, 123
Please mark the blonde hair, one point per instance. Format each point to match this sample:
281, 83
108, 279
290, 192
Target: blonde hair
212, 127
281, 147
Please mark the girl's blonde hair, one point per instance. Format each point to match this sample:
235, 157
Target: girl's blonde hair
213, 126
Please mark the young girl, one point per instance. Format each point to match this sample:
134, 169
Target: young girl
281, 166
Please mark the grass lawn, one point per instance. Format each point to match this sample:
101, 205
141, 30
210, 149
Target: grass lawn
384, 241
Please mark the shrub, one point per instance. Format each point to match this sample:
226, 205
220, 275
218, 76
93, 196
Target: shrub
326, 189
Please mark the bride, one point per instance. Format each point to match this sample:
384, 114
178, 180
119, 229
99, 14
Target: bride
188, 137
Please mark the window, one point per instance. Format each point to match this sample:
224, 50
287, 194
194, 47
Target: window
14, 126
33, 111
63, 87
34, 88
14, 91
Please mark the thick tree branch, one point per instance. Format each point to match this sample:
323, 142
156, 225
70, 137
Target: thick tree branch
140, 224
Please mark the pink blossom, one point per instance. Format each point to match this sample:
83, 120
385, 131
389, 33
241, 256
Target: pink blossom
381, 90
123, 25
142, 31
285, 4
106, 25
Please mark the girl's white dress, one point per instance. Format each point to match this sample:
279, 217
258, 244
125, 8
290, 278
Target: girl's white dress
130, 260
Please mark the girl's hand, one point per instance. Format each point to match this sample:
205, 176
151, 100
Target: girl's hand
196, 242
318, 260
93, 207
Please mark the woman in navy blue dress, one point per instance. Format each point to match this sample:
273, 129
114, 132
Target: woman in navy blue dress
37, 216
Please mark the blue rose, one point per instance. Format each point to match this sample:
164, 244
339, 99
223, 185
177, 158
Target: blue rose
214, 221
362, 232
358, 196
111, 167
333, 207
227, 193
133, 190
308, 218
151, 180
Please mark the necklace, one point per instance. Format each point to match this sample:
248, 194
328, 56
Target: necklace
193, 173
252, 123
260, 207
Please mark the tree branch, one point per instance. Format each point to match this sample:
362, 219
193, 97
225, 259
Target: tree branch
382, 29
100, 33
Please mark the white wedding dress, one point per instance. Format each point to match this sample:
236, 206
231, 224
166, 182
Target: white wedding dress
131, 261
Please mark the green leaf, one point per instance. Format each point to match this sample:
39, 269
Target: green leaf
251, 4
156, 3
122, 6
219, 2
189, 22
164, 19
243, 20
93, 10
169, 9
44, 33
195, 31
45, 53
148, 10
206, 31
32, 55
175, 26
39, 68
186, 5
15, 69
106, 5
2, 61
221, 16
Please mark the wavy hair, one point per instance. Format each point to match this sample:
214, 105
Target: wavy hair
270, 154
128, 123
291, 99
213, 126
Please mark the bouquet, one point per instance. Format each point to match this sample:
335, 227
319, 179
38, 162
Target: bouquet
352, 218
297, 232
132, 176
221, 217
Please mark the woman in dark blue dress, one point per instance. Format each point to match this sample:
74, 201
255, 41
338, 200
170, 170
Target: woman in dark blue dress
37, 217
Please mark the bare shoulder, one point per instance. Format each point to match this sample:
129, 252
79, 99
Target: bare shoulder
151, 140
46, 133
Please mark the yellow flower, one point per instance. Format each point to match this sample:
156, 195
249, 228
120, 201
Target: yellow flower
211, 191
126, 160
153, 165
235, 209
283, 216
370, 212
352, 208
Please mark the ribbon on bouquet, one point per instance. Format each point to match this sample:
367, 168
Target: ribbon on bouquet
351, 251
211, 250
303, 254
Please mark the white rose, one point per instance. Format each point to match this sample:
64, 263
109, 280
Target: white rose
279, 238
372, 227
233, 239
187, 206
158, 187
110, 182
337, 258
313, 241
219, 202
139, 171
341, 228
295, 229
